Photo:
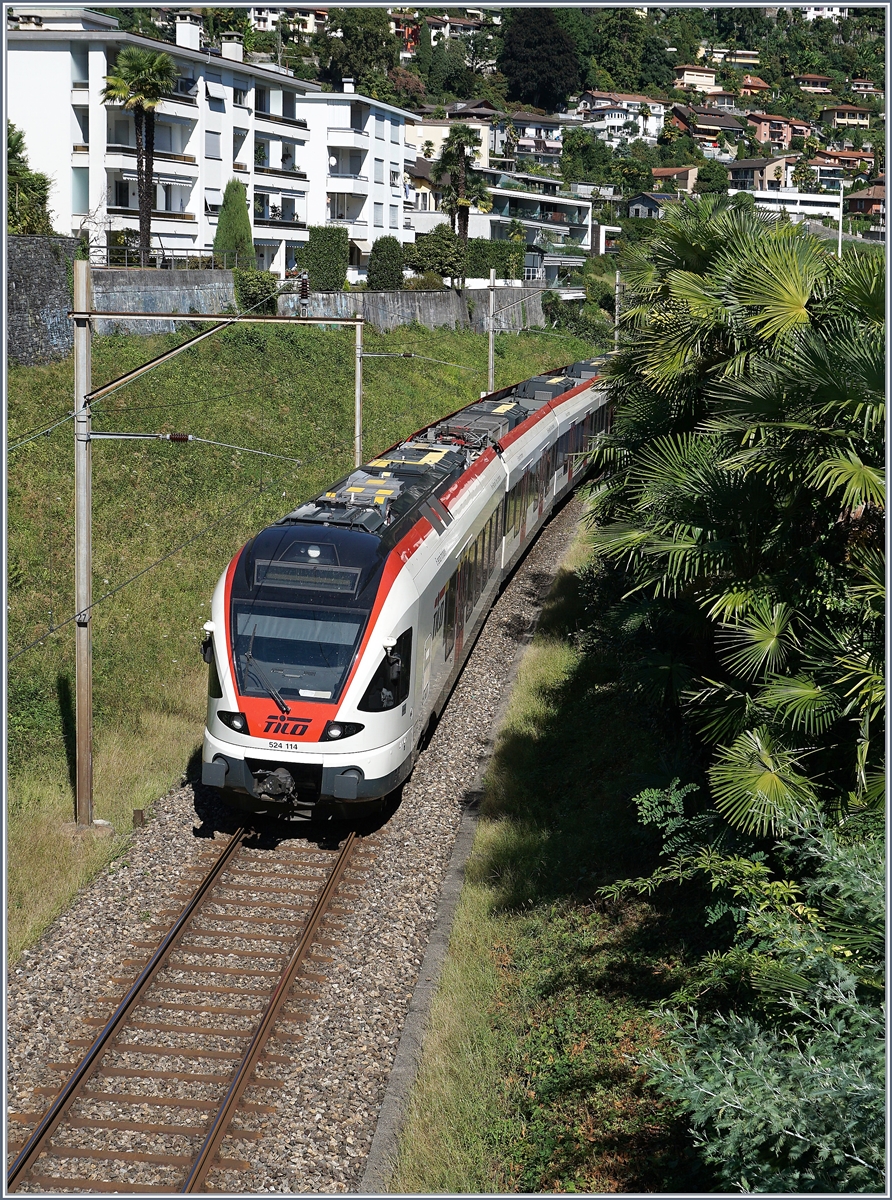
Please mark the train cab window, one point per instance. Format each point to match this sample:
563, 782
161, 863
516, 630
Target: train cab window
391, 682
215, 691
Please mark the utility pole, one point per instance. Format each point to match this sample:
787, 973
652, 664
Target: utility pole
616, 312
357, 418
83, 539
491, 378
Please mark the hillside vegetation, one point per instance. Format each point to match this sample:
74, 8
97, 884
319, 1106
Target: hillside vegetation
289, 393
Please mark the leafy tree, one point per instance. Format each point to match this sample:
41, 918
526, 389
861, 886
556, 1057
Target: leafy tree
448, 73
584, 157
27, 191
385, 272
138, 81
620, 35
356, 43
711, 177
424, 50
439, 252
538, 58
233, 241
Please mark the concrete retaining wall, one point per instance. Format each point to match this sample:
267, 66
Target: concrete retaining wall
38, 299
455, 310
138, 290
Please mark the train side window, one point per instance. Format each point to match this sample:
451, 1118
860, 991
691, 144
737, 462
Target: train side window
449, 617
390, 683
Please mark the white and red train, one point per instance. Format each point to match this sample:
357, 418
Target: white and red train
338, 632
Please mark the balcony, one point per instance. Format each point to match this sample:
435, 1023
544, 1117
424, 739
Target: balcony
348, 139
348, 185
236, 166
285, 172
278, 119
279, 222
80, 148
354, 228
159, 155
180, 98
160, 214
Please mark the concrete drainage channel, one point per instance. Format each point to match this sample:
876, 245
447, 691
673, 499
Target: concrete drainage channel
382, 1155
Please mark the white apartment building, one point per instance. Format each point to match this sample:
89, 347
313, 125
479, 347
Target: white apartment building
825, 12
617, 116
306, 157
799, 206
267, 19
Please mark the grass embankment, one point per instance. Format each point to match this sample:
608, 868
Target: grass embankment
527, 1082
286, 391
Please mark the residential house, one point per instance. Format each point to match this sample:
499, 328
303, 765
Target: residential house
306, 157
435, 130
820, 85
752, 85
824, 12
732, 58
558, 225
798, 206
706, 125
310, 20
695, 78
675, 178
648, 114
846, 116
404, 25
724, 100
869, 203
760, 174
650, 204
534, 136
830, 174
864, 87
778, 131
853, 162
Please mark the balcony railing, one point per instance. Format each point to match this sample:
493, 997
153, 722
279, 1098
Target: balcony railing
288, 172
295, 122
348, 129
79, 85
80, 148
348, 175
236, 166
279, 222
164, 155
161, 214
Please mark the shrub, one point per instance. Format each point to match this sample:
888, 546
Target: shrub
386, 265
440, 251
326, 257
233, 241
255, 289
430, 281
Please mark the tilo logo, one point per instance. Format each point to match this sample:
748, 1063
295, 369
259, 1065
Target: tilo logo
288, 726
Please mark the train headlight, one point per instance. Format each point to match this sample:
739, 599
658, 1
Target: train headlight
237, 721
336, 731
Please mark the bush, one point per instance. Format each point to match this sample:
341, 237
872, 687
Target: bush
483, 255
233, 241
256, 290
440, 251
326, 257
430, 281
386, 265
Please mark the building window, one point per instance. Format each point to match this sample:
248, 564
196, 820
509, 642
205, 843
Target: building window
122, 193
80, 189
261, 205
240, 96
379, 170
421, 202
379, 125
394, 178
80, 69
379, 216
394, 130
261, 99
212, 145
394, 216
337, 206
288, 105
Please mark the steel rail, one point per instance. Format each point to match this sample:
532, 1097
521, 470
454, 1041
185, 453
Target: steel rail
207, 1153
52, 1118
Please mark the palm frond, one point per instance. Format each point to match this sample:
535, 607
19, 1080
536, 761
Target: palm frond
802, 702
859, 482
757, 783
778, 284
760, 642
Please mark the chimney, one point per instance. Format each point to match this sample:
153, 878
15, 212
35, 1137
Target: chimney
232, 46
188, 28
347, 85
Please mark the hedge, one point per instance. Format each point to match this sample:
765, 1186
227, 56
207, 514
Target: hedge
386, 265
325, 257
506, 257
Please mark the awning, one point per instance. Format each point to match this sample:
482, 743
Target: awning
215, 91
364, 247
213, 195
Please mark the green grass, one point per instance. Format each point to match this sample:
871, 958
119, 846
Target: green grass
528, 1081
287, 391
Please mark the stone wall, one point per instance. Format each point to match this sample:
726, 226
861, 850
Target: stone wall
146, 291
455, 310
38, 298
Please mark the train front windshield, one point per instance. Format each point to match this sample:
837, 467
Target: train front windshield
301, 652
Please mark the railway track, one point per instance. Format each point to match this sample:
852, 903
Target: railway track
184, 1061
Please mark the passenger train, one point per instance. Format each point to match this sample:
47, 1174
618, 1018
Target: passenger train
337, 633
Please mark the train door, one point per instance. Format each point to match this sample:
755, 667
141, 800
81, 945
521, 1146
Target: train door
543, 477
461, 585
524, 503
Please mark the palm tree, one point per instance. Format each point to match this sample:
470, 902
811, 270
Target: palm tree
138, 81
465, 186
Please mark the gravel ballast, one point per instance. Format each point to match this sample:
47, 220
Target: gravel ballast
330, 1091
